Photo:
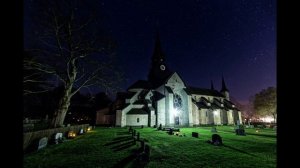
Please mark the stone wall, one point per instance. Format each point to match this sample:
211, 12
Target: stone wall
131, 119
30, 137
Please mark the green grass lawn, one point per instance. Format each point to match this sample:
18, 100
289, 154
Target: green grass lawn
113, 147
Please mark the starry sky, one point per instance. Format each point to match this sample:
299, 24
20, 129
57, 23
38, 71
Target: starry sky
202, 40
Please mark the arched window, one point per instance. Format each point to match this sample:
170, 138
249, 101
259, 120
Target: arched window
138, 120
177, 101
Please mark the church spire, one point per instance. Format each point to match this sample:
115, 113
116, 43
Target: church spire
158, 70
224, 88
158, 54
212, 85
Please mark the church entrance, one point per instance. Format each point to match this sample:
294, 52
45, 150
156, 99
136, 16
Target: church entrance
177, 120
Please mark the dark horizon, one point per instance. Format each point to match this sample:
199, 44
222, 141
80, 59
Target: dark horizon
202, 41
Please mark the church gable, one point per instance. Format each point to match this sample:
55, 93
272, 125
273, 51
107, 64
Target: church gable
174, 81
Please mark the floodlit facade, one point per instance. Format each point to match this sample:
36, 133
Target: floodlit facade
167, 100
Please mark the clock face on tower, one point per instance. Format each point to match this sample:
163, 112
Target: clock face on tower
162, 67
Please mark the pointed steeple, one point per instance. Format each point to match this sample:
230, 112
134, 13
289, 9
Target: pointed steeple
158, 54
158, 70
212, 85
224, 88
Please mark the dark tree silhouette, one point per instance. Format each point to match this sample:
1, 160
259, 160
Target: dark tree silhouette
72, 47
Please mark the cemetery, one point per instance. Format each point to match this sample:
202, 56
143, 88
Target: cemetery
151, 147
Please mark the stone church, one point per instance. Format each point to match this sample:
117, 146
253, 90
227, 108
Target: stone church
167, 100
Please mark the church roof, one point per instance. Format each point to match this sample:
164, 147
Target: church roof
169, 89
142, 101
137, 111
140, 84
157, 96
201, 91
201, 105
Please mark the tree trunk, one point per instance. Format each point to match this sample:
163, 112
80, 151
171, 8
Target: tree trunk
63, 106
274, 115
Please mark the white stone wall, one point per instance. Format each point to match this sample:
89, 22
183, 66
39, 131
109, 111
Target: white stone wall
169, 110
217, 116
230, 117
240, 117
161, 110
190, 110
203, 118
118, 118
224, 119
131, 119
152, 118
196, 114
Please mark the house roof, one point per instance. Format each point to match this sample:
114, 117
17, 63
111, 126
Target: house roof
137, 111
201, 91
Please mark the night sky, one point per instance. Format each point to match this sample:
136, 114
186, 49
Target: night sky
202, 40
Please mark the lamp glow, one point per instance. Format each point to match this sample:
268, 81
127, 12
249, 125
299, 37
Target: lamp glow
175, 112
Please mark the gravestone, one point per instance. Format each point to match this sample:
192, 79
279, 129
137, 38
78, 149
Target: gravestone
240, 130
147, 152
160, 127
214, 129
195, 134
43, 143
170, 132
216, 140
142, 148
130, 129
142, 126
81, 131
58, 138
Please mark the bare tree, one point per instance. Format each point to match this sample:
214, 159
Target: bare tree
73, 49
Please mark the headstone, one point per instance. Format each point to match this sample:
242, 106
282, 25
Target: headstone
213, 129
58, 138
216, 140
81, 131
43, 143
238, 122
160, 127
147, 152
68, 125
195, 134
240, 130
142, 148
170, 132
142, 126
130, 129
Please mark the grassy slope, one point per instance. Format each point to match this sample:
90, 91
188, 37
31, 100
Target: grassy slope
108, 147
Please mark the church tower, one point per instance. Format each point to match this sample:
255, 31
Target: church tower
158, 70
224, 90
